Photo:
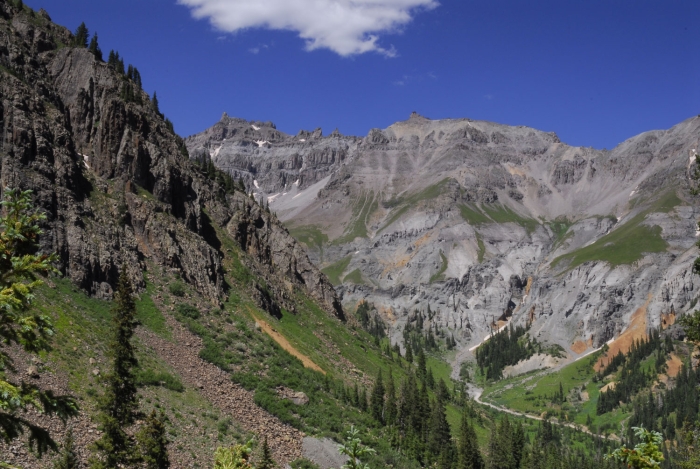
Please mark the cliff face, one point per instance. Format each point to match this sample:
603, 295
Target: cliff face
482, 221
114, 180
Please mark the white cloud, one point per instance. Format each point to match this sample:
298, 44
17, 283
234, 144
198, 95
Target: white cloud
257, 49
347, 27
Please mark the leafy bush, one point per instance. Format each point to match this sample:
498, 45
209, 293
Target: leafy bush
177, 289
188, 311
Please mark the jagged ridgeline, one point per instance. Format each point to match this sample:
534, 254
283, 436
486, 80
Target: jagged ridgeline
476, 218
239, 333
95, 153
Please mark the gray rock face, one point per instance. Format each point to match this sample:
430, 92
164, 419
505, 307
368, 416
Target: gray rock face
114, 180
481, 220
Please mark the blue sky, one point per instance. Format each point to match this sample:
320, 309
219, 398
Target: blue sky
596, 72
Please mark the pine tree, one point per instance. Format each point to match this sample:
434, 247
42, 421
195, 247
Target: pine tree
430, 379
468, 446
377, 400
152, 442
518, 443
154, 101
94, 48
420, 363
501, 445
266, 461
137, 78
68, 458
80, 37
118, 403
439, 438
390, 411
20, 327
363, 399
409, 354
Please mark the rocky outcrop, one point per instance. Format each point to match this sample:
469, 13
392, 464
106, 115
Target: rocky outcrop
115, 182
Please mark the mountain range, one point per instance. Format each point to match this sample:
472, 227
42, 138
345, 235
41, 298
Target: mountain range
481, 222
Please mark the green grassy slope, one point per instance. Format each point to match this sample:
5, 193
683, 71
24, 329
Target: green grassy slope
627, 243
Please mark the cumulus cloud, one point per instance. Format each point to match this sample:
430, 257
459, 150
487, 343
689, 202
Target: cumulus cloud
347, 27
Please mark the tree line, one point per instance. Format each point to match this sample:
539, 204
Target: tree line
632, 378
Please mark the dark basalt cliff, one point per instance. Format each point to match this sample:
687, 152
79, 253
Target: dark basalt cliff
116, 183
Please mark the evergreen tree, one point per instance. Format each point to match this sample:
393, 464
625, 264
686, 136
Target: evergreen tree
68, 458
501, 446
409, 354
439, 438
377, 400
153, 444
518, 443
420, 363
137, 78
94, 48
266, 461
423, 411
154, 101
468, 446
430, 379
118, 403
80, 37
20, 327
363, 399
390, 411
688, 454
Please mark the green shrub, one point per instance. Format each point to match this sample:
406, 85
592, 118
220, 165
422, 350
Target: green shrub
152, 378
213, 353
188, 311
177, 289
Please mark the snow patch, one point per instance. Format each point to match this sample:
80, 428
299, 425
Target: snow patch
296, 183
255, 127
255, 183
632, 193
302, 139
261, 142
297, 195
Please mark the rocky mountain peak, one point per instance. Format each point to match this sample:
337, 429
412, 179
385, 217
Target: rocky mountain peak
115, 181
447, 213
